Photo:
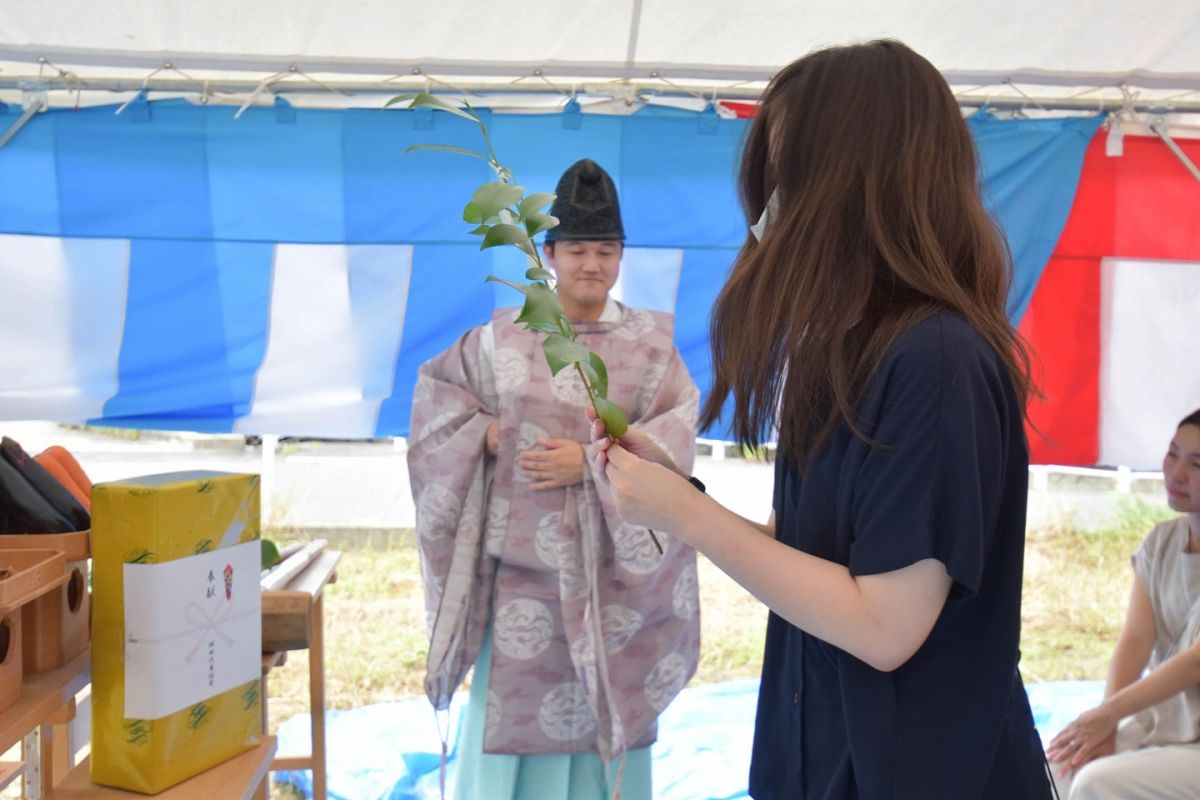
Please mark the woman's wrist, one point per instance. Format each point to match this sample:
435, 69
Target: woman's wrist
693, 515
1110, 710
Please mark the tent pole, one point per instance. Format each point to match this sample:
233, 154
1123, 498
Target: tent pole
650, 87
26, 115
268, 445
1160, 129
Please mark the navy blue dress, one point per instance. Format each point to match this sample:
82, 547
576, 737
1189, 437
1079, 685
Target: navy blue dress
949, 483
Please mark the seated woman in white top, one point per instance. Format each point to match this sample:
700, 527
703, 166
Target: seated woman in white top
1143, 741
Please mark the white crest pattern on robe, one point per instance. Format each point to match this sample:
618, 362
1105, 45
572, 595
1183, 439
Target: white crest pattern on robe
595, 632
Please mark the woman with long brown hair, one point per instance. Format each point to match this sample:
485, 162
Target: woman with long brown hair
864, 324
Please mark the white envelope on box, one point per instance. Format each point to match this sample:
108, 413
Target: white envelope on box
193, 629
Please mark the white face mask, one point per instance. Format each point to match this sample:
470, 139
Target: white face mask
769, 215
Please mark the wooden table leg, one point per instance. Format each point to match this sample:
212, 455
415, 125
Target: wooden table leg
55, 764
56, 756
316, 695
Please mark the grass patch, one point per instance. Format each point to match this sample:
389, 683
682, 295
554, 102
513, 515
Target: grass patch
1076, 590
733, 626
375, 645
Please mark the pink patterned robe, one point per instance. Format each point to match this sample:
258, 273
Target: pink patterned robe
594, 633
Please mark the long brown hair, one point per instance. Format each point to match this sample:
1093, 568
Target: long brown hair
880, 225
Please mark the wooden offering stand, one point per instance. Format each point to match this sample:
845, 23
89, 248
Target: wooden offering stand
294, 619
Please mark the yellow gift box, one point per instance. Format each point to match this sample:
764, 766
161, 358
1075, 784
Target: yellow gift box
176, 631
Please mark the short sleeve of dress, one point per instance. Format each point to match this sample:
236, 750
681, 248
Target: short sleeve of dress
1149, 554
1142, 560
939, 410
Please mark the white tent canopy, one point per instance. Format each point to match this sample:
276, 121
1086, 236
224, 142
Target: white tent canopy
1058, 51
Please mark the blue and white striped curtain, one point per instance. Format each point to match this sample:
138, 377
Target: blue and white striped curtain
286, 272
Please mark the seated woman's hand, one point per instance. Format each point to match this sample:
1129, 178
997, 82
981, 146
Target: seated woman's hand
1091, 736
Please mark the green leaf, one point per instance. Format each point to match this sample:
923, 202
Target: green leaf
562, 352
592, 377
447, 148
612, 415
427, 100
473, 214
598, 374
493, 279
503, 234
270, 554
541, 310
538, 274
493, 197
537, 326
480, 231
537, 222
535, 202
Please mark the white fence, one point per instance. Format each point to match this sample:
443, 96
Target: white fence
317, 484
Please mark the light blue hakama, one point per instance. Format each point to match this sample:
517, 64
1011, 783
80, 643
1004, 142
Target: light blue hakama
566, 776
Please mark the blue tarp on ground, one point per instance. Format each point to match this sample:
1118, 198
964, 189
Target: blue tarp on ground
391, 751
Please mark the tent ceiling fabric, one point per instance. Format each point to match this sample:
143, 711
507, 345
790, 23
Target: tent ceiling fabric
1149, 44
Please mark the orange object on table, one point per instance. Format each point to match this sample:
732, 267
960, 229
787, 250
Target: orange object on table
55, 468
